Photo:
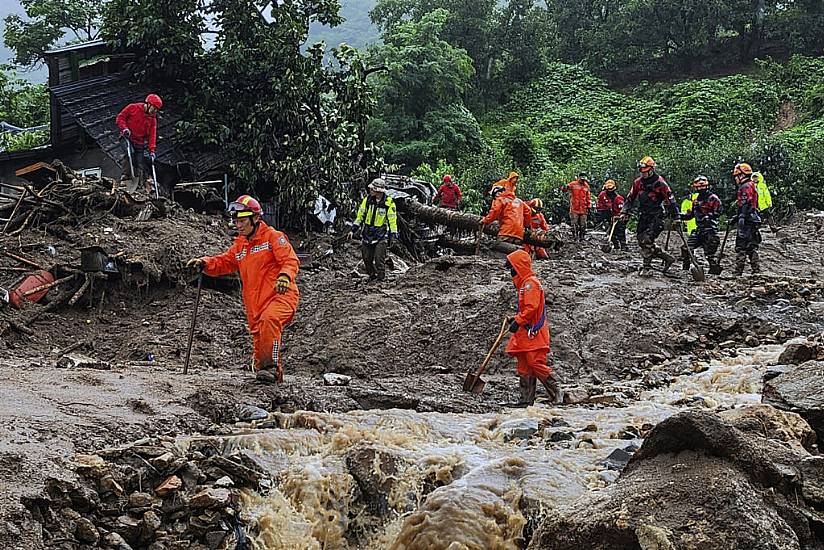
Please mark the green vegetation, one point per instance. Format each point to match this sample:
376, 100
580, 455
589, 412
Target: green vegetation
24, 105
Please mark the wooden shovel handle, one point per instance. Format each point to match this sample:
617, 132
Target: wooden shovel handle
493, 349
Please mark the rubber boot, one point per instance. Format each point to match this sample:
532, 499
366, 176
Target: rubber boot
668, 259
268, 375
755, 262
553, 390
526, 392
685, 259
740, 263
646, 269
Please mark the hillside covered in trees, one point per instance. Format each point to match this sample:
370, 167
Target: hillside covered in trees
473, 87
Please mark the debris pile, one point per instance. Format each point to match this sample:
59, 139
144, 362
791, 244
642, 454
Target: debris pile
149, 494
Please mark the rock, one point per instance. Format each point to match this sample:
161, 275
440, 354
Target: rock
248, 413
655, 379
629, 432
335, 379
752, 341
214, 539
519, 428
88, 463
140, 501
800, 390
210, 498
375, 472
114, 540
78, 361
243, 467
795, 354
150, 523
85, 531
170, 485
772, 423
561, 436
163, 461
812, 475
605, 399
617, 460
128, 527
697, 482
574, 396
225, 481
590, 428
776, 370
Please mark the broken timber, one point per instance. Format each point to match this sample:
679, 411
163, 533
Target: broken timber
471, 222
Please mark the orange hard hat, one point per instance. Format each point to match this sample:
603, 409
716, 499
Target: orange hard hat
700, 182
646, 165
742, 168
609, 185
245, 206
536, 203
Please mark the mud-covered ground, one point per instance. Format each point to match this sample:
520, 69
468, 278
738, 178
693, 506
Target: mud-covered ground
407, 343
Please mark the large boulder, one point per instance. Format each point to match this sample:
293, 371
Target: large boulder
701, 481
800, 390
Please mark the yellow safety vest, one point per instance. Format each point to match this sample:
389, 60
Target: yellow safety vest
686, 206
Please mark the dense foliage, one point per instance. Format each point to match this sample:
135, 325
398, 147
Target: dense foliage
420, 112
570, 121
48, 22
292, 125
24, 105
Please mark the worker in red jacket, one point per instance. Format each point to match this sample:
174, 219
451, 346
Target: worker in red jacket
138, 126
537, 225
748, 236
529, 343
268, 267
449, 194
609, 206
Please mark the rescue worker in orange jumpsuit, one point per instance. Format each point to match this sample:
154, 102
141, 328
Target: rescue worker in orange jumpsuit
537, 223
510, 183
580, 201
268, 268
529, 343
748, 236
511, 213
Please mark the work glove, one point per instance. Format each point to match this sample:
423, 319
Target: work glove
624, 217
283, 284
152, 156
199, 263
125, 132
514, 326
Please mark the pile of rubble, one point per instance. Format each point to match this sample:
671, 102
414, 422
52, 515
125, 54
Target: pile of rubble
149, 494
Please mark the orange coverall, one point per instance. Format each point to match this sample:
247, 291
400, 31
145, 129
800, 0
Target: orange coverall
529, 347
260, 260
512, 215
508, 184
537, 222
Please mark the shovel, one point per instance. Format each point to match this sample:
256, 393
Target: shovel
715, 269
194, 321
131, 166
154, 179
473, 381
607, 246
696, 270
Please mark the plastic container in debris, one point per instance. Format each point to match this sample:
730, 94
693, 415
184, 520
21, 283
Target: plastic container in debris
36, 279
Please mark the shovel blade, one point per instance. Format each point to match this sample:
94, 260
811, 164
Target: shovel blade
697, 274
715, 269
606, 247
473, 383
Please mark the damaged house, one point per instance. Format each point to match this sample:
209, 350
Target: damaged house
88, 86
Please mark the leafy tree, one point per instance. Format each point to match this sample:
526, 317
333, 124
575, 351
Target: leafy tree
49, 21
506, 40
165, 35
421, 115
292, 126
22, 103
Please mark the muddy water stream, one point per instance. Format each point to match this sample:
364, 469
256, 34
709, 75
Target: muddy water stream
402, 479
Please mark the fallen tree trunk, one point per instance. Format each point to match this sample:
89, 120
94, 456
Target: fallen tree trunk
466, 248
470, 222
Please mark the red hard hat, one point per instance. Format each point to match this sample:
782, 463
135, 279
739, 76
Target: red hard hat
244, 206
155, 101
447, 179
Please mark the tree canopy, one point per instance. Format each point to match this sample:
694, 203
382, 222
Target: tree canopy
46, 23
